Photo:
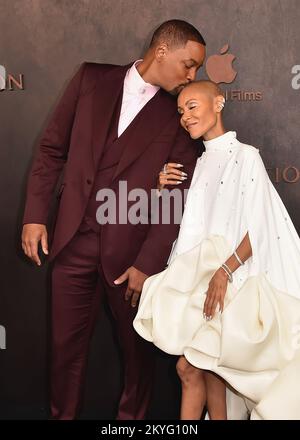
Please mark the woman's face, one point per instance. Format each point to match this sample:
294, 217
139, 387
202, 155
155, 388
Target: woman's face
197, 110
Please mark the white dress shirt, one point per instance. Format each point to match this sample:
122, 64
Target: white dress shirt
136, 94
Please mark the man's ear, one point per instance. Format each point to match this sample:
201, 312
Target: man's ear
219, 103
161, 52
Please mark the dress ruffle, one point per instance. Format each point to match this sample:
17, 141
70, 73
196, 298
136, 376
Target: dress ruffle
254, 344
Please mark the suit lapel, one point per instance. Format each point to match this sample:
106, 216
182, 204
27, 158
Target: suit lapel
104, 100
144, 128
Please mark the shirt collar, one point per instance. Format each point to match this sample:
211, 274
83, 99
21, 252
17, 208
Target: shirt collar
135, 84
224, 142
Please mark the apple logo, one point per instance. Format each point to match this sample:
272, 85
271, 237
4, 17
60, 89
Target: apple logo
2, 77
219, 67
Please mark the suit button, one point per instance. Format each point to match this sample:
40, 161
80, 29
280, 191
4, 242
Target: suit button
88, 181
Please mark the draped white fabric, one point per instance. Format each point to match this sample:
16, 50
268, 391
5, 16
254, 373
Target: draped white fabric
256, 340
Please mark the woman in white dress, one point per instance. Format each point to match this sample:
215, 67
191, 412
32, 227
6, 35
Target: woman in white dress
229, 301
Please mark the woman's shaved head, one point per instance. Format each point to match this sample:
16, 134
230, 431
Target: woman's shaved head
205, 86
200, 104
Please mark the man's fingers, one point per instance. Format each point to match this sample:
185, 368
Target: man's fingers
32, 234
44, 243
135, 298
128, 293
24, 248
122, 278
28, 249
34, 254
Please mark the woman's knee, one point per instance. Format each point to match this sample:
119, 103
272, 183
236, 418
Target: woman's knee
187, 372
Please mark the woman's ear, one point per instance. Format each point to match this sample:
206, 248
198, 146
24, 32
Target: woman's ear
219, 103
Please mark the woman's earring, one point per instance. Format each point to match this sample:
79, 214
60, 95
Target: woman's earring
222, 104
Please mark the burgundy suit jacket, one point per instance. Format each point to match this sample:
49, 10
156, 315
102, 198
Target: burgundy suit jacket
72, 142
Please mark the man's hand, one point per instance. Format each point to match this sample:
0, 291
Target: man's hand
31, 235
136, 280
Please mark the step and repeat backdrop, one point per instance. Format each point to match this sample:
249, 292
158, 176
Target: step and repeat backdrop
253, 52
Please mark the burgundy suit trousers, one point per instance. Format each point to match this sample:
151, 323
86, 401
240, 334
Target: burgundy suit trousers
77, 286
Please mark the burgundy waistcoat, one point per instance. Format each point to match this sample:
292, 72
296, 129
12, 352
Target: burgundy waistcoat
107, 165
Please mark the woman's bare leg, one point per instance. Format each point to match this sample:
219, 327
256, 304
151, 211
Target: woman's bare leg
216, 396
193, 390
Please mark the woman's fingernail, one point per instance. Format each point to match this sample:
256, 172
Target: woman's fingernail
183, 173
183, 178
179, 165
178, 181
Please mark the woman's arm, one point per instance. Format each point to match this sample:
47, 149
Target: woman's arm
218, 284
171, 175
244, 252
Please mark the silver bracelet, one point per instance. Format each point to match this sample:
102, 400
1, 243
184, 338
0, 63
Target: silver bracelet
238, 258
228, 272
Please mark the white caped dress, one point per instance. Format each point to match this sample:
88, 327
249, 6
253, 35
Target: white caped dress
254, 344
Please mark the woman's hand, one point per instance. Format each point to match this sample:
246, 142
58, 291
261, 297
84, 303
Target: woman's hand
215, 294
171, 175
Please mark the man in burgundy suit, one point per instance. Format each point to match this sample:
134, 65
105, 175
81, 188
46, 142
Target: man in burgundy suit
113, 123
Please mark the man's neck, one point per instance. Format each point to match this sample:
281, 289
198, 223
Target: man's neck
146, 70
